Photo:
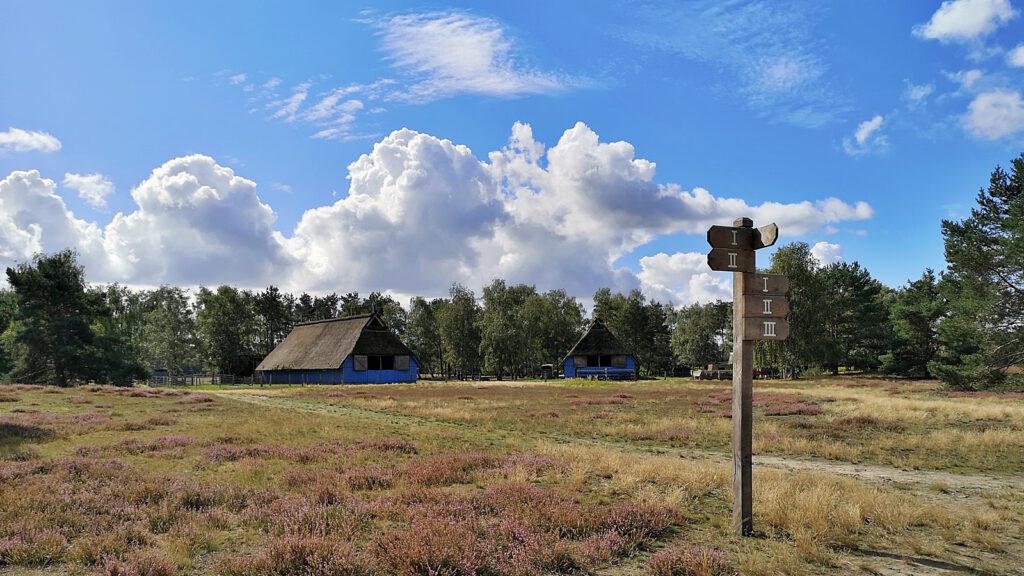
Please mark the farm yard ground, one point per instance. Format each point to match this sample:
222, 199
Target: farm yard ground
852, 475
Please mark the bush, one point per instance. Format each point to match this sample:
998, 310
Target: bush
689, 561
148, 563
299, 556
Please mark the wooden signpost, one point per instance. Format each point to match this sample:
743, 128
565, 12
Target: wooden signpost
759, 313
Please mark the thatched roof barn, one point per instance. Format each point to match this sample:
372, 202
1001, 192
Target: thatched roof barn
356, 349
599, 354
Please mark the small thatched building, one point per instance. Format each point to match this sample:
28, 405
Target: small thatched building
600, 354
352, 350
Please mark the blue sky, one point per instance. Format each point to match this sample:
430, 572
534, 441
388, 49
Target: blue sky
565, 144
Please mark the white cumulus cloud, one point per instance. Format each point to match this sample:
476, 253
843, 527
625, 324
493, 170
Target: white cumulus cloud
867, 137
683, 278
994, 115
414, 207
18, 140
93, 188
557, 217
420, 213
33, 218
827, 253
196, 222
966, 20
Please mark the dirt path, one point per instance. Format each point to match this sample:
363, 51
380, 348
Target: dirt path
946, 482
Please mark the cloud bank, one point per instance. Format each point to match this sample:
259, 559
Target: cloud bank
421, 213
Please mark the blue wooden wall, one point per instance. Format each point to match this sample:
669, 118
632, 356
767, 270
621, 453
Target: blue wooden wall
346, 375
570, 366
352, 376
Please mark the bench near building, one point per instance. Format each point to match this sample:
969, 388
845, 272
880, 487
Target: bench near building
352, 350
599, 354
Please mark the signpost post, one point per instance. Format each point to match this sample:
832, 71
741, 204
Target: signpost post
759, 313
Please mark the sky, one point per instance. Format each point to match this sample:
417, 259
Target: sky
403, 147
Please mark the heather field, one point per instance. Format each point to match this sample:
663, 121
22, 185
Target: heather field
851, 476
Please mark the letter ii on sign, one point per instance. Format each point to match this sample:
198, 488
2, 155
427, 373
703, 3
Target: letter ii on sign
732, 260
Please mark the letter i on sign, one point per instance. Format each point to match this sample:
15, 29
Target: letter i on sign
765, 284
734, 233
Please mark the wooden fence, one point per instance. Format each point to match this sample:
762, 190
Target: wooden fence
212, 379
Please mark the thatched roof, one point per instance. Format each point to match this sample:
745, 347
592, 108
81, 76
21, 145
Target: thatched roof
598, 340
325, 344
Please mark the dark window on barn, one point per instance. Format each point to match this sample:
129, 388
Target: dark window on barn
380, 362
581, 361
402, 362
361, 362
599, 361
619, 361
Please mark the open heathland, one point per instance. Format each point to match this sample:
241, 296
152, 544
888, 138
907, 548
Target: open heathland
852, 475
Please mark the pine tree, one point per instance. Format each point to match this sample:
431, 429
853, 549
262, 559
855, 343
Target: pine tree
915, 314
982, 340
55, 314
856, 317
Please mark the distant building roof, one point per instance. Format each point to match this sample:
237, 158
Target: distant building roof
598, 340
325, 344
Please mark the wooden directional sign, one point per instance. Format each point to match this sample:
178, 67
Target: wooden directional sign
758, 313
731, 237
726, 260
741, 238
770, 284
766, 306
765, 328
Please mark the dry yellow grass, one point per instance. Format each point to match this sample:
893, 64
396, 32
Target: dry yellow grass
646, 444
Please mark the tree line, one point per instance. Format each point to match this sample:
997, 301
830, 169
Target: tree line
964, 325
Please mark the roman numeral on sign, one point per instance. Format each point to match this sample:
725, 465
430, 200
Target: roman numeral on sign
758, 305
731, 260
